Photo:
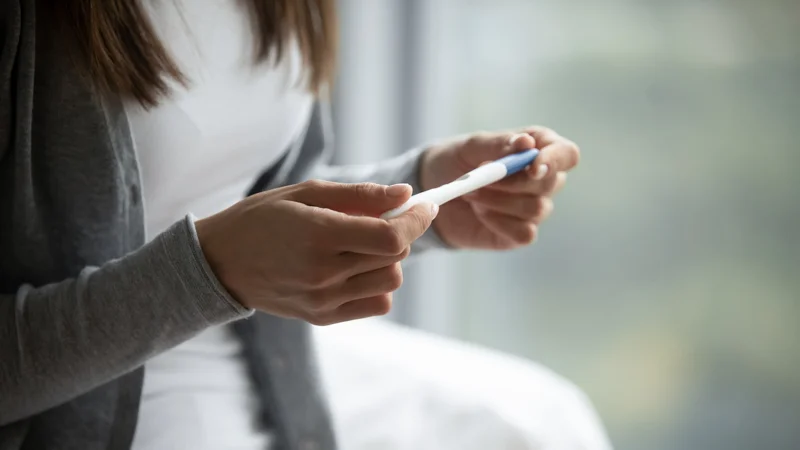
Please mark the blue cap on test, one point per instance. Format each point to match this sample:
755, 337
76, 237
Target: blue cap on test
518, 161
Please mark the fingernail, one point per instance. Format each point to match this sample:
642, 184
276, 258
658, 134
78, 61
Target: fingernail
541, 171
434, 210
397, 190
513, 140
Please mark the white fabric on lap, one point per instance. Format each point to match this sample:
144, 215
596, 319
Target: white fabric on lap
393, 388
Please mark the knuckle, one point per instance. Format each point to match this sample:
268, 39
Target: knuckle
545, 209
393, 240
574, 152
543, 134
477, 138
318, 320
530, 234
383, 304
317, 313
549, 184
394, 277
551, 135
366, 190
534, 129
313, 184
561, 181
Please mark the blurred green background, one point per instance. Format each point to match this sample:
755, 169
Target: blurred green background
667, 282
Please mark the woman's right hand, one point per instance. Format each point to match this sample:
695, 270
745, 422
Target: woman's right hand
316, 250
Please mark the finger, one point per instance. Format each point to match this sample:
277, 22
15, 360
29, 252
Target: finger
561, 180
491, 146
556, 153
524, 183
378, 305
367, 199
515, 231
525, 207
494, 139
520, 141
412, 224
381, 281
544, 136
358, 263
372, 236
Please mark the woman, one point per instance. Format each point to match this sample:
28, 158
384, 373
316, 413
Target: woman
130, 133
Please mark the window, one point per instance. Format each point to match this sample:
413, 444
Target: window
666, 283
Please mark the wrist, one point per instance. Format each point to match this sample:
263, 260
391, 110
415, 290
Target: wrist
426, 178
210, 249
199, 236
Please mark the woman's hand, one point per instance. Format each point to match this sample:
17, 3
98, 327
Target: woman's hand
506, 214
314, 251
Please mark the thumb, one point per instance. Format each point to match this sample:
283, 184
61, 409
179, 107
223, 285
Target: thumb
412, 224
482, 148
369, 199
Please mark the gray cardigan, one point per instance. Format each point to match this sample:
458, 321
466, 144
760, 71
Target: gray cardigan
84, 301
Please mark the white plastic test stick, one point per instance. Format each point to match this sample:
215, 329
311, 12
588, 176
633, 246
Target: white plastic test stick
471, 181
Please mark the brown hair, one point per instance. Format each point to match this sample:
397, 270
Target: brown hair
118, 48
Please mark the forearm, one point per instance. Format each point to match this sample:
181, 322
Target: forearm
403, 168
63, 339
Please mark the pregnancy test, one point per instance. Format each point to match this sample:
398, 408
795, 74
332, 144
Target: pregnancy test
470, 181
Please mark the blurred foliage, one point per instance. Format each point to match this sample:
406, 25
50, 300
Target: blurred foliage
667, 283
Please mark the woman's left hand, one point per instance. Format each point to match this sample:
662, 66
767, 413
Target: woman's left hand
506, 214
